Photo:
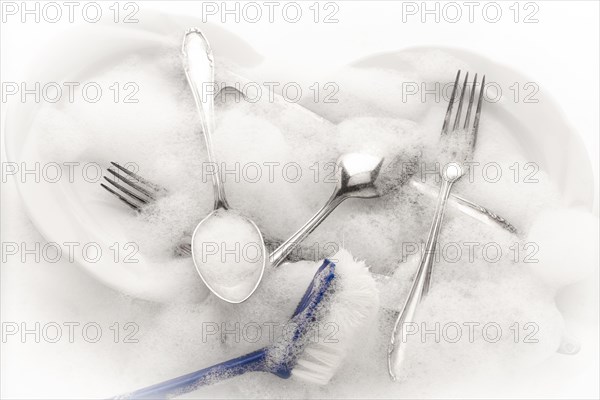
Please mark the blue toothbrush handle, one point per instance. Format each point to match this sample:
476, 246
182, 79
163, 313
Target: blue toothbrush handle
254, 361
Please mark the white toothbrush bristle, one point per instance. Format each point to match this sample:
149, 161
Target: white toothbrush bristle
353, 301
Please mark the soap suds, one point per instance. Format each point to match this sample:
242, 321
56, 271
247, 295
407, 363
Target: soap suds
161, 136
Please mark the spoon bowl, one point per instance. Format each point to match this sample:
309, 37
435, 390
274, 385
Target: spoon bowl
356, 175
229, 254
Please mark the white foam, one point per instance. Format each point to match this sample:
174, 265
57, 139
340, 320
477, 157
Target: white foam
228, 251
160, 134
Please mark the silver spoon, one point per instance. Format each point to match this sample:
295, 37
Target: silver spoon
231, 280
356, 175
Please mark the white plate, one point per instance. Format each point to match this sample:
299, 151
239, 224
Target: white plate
540, 128
63, 215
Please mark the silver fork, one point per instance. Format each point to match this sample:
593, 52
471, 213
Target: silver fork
135, 191
452, 172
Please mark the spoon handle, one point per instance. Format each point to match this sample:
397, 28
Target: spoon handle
198, 64
420, 286
280, 253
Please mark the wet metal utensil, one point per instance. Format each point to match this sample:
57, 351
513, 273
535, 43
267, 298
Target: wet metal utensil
356, 175
199, 69
452, 172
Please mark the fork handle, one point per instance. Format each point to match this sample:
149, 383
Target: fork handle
420, 286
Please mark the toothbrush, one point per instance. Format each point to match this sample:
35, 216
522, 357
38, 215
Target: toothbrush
348, 293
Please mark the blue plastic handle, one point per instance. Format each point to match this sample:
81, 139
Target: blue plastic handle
254, 361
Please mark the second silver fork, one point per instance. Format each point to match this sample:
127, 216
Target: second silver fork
450, 174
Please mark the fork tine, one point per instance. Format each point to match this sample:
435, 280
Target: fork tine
449, 111
470, 107
134, 191
126, 190
184, 249
134, 185
152, 185
124, 199
460, 103
478, 112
